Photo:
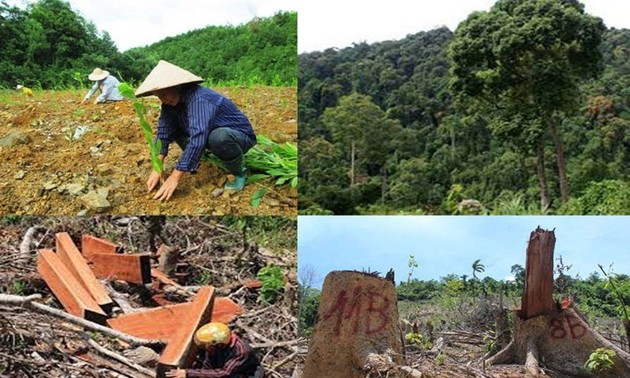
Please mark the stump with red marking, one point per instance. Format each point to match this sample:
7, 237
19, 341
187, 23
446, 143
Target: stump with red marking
357, 329
552, 334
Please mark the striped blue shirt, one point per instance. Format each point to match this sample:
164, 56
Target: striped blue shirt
199, 112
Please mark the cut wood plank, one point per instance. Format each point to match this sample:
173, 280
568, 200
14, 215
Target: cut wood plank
160, 322
72, 295
225, 310
91, 245
134, 268
163, 322
181, 350
73, 260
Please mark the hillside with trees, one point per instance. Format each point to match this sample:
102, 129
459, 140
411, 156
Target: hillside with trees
444, 122
49, 45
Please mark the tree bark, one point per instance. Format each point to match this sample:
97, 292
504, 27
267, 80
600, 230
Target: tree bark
560, 161
556, 334
357, 330
542, 180
538, 296
352, 163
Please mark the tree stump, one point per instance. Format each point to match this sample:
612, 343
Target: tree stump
357, 328
551, 334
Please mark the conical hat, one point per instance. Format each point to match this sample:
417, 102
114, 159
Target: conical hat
98, 74
165, 75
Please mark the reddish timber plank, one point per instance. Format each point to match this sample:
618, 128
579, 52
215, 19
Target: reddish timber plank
181, 350
69, 254
91, 245
72, 295
156, 323
225, 310
163, 322
134, 268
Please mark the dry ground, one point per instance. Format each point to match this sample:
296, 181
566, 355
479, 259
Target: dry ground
46, 173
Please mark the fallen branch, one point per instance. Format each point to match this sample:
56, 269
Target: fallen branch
27, 241
285, 360
119, 358
28, 302
273, 344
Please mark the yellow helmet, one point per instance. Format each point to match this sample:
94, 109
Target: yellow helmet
212, 334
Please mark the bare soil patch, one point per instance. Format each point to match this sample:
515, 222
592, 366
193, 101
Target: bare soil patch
44, 172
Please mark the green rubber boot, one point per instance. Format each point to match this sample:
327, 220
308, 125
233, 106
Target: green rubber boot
236, 168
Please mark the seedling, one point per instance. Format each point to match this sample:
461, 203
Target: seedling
273, 160
272, 281
600, 360
141, 111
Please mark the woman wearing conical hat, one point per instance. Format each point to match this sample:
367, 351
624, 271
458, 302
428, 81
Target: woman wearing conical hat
197, 119
108, 85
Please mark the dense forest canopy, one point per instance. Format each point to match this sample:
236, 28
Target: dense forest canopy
456, 126
49, 45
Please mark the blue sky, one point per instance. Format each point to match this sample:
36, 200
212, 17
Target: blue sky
448, 244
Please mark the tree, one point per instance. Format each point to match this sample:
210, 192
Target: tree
412, 264
363, 132
523, 61
477, 267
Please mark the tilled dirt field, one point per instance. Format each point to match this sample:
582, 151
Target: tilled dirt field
44, 170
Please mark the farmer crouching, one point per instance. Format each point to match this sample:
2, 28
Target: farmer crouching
223, 355
197, 119
106, 83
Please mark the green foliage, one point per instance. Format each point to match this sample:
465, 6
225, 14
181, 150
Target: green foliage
17, 287
154, 145
477, 267
600, 360
272, 279
419, 340
272, 160
49, 45
440, 359
204, 277
262, 51
270, 231
490, 343
599, 198
465, 118
279, 161
621, 292
412, 264
308, 299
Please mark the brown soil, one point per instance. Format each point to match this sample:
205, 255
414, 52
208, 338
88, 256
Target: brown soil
112, 157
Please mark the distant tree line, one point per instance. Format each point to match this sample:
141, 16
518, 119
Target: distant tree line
593, 295
524, 109
49, 45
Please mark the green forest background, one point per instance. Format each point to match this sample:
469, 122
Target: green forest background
49, 46
524, 109
602, 295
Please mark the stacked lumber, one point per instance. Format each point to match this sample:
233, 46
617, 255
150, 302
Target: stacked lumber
73, 277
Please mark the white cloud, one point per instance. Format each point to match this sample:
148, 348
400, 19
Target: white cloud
332, 23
